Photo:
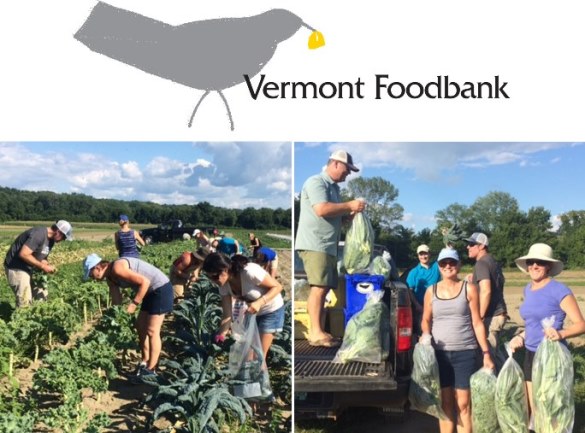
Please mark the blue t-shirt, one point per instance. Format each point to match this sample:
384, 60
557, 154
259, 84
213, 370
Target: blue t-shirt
539, 304
420, 278
227, 246
269, 254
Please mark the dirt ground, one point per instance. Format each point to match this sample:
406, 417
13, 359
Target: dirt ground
122, 401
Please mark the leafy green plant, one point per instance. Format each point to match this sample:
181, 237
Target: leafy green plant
118, 327
13, 423
196, 393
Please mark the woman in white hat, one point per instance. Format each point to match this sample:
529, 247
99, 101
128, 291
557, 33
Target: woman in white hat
544, 297
451, 317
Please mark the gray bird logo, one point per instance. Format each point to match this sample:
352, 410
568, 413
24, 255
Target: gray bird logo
209, 55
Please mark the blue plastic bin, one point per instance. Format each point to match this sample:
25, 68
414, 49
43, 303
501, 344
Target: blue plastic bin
357, 287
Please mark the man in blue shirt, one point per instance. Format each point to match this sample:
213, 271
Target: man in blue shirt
419, 278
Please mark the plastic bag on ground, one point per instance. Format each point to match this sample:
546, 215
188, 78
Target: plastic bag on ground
511, 399
247, 365
359, 244
483, 391
367, 334
552, 386
425, 387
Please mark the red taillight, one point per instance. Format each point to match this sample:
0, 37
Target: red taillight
404, 328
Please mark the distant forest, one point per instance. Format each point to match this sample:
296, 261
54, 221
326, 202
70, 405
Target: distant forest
20, 205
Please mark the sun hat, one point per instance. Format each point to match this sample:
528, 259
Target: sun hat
65, 228
448, 253
423, 248
196, 232
478, 238
343, 156
540, 252
124, 217
89, 263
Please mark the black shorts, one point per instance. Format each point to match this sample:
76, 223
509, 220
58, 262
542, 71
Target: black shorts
159, 301
528, 360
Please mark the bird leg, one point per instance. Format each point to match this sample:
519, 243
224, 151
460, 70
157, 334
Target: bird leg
225, 103
228, 109
196, 107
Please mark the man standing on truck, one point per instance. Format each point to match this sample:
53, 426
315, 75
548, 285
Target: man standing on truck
488, 276
419, 278
318, 235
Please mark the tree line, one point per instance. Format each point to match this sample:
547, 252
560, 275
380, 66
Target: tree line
17, 205
511, 231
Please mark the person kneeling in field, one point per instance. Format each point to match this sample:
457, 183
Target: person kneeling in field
153, 292
185, 270
239, 279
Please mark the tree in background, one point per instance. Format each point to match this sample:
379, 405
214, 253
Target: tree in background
571, 242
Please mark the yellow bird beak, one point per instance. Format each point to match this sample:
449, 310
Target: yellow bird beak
316, 40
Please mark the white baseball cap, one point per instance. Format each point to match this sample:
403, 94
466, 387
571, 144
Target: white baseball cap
65, 228
196, 232
478, 238
343, 156
423, 248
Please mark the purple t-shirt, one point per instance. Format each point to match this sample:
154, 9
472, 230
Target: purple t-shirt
539, 304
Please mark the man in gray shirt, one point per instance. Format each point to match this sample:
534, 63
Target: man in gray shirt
318, 235
488, 276
29, 251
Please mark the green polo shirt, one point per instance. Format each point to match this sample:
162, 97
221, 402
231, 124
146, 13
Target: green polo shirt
318, 233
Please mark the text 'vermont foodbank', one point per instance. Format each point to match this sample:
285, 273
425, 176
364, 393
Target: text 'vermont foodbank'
384, 87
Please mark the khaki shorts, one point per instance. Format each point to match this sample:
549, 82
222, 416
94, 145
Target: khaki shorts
321, 268
20, 282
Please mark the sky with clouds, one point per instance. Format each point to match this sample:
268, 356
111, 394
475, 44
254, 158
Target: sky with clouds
225, 174
431, 176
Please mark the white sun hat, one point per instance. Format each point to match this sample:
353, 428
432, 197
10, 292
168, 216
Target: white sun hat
540, 252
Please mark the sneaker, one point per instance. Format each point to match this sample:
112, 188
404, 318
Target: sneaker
139, 367
146, 375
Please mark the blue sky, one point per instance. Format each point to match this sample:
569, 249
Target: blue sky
226, 174
431, 176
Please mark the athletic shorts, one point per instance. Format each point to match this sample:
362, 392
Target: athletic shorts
159, 301
528, 360
456, 367
271, 323
321, 268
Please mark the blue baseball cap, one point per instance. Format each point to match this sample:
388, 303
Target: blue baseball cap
89, 263
448, 253
124, 218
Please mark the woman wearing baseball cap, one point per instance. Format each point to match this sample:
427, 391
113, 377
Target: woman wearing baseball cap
153, 293
451, 318
127, 238
543, 298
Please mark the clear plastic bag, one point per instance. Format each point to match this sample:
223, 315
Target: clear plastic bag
367, 334
247, 365
359, 244
425, 387
381, 266
511, 399
483, 391
552, 385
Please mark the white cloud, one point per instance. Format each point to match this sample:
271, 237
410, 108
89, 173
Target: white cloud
430, 161
234, 175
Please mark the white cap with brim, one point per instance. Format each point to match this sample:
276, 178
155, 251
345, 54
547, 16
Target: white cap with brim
89, 263
540, 252
448, 253
343, 156
65, 228
478, 238
196, 232
423, 248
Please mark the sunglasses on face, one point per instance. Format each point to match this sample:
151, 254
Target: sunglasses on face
531, 262
448, 262
471, 245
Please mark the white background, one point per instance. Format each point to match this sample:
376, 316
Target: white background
54, 88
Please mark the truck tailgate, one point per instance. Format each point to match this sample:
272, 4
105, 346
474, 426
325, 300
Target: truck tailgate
314, 371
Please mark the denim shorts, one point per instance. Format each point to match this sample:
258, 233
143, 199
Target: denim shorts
456, 367
271, 323
159, 301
